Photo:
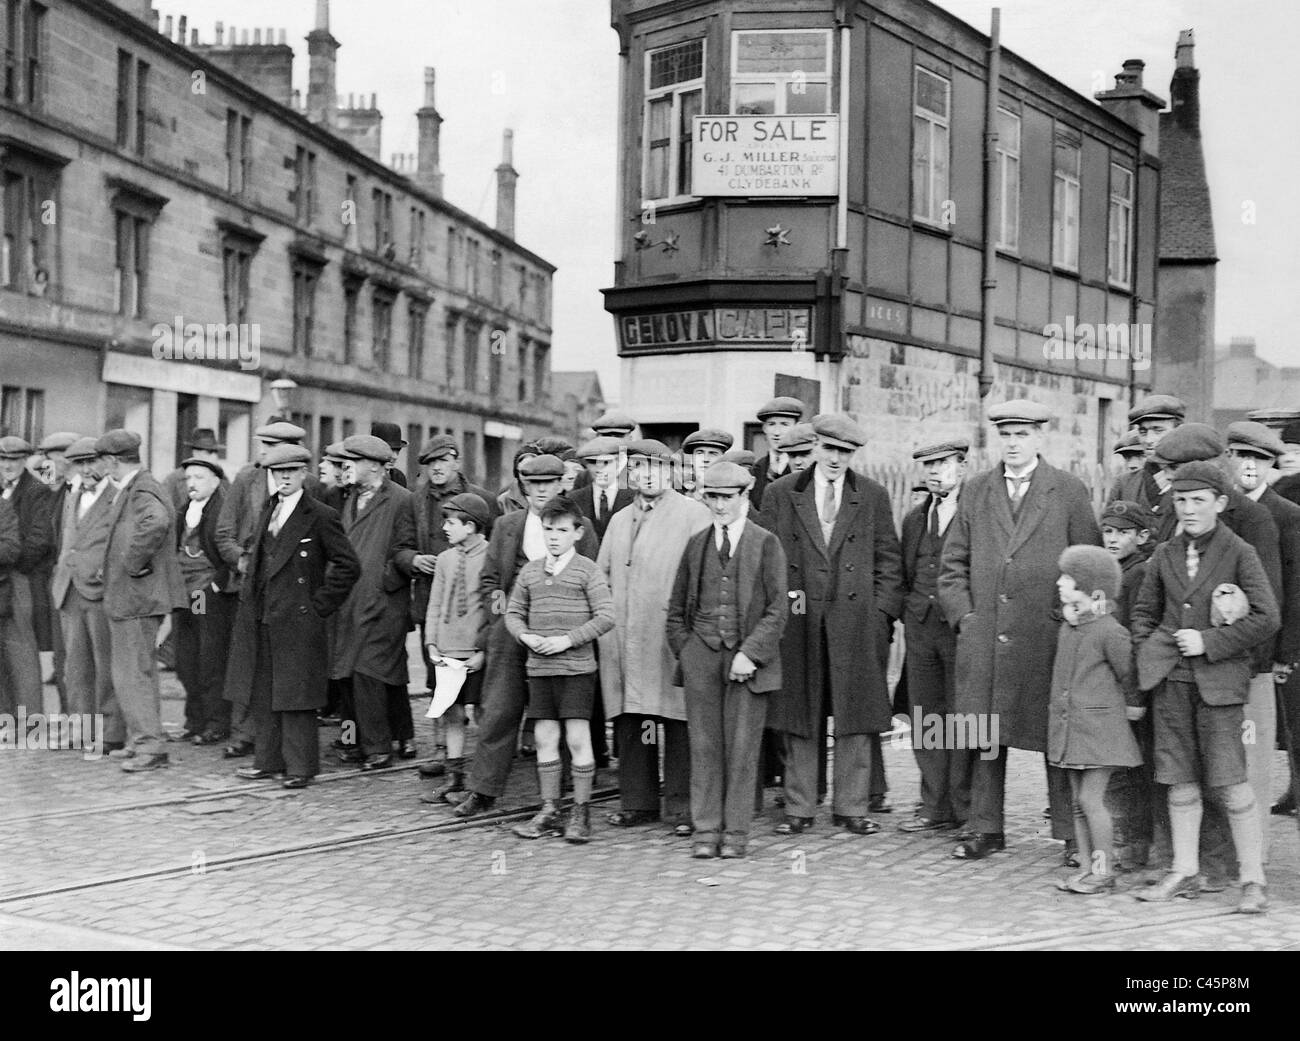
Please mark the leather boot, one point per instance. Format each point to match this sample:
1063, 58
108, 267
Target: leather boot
546, 822
579, 826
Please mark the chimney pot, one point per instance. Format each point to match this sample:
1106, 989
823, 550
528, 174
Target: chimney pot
194, 37
167, 27
372, 101
180, 36
220, 33
257, 37
244, 38
323, 14
283, 37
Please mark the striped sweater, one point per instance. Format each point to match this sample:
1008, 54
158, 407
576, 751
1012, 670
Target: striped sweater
575, 603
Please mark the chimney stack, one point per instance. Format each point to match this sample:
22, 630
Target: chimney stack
180, 36
321, 81
428, 173
167, 27
507, 177
1134, 104
1185, 87
220, 33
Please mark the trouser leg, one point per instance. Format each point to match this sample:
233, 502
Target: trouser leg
505, 695
268, 742
742, 723
677, 771
705, 687
370, 695
987, 792
135, 679
638, 762
799, 781
851, 790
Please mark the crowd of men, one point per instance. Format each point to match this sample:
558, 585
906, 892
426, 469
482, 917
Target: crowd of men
754, 601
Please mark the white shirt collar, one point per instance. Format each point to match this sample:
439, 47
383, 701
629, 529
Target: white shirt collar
288, 504
270, 482
777, 462
1260, 489
1024, 473
128, 478
733, 533
554, 567
534, 543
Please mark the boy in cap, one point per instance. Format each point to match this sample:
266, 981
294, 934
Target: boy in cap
797, 446
725, 620
300, 569
777, 417
1131, 453
1196, 657
26, 626
704, 447
456, 622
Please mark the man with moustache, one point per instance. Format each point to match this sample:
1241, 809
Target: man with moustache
1152, 418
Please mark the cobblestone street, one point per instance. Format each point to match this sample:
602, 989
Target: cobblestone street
191, 857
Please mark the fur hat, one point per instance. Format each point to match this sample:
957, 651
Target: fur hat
1092, 568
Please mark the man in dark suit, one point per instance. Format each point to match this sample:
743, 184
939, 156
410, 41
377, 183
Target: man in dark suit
1194, 649
931, 643
301, 568
11, 546
20, 631
997, 586
777, 416
602, 497
1288, 485
391, 435
202, 444
202, 627
516, 539
1153, 417
142, 586
845, 575
53, 449
725, 620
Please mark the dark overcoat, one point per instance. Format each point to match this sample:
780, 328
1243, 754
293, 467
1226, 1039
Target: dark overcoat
11, 544
584, 499
142, 577
33, 502
1001, 571
851, 591
308, 573
429, 537
371, 626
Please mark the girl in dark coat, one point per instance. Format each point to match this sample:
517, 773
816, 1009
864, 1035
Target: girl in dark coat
1094, 696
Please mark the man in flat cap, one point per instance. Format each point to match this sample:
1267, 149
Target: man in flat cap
602, 497
725, 619
202, 627
1198, 662
27, 625
997, 586
1288, 464
10, 548
1132, 457
616, 424
1151, 418
797, 446
53, 449
845, 577
77, 591
642, 695
369, 645
777, 416
329, 470
240, 510
142, 586
391, 435
703, 448
202, 444
301, 567
931, 643
516, 539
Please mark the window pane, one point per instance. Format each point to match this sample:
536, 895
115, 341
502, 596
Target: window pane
921, 165
939, 161
1008, 132
801, 97
931, 93
755, 99
691, 102
679, 64
761, 53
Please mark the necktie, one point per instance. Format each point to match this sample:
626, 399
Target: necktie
828, 511
724, 551
276, 518
934, 520
600, 505
458, 601
1193, 560
1018, 486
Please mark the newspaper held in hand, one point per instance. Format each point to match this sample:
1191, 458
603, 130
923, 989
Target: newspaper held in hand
448, 677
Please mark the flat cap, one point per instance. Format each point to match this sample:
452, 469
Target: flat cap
1198, 474
280, 431
390, 434
14, 448
1129, 444
438, 446
58, 442
204, 440
555, 446
792, 407
541, 468
1020, 411
367, 446
335, 454
81, 450
1124, 513
286, 457
648, 448
1157, 406
209, 464
1256, 438
472, 506
614, 421
708, 438
722, 476
953, 446
1189, 443
741, 457
798, 439
598, 447
115, 442
838, 429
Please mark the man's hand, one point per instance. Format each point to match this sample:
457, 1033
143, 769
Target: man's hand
554, 645
243, 564
1135, 713
475, 661
741, 668
434, 653
424, 563
1190, 642
532, 641
1281, 673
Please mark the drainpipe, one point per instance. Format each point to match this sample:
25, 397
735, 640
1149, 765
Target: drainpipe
989, 282
830, 370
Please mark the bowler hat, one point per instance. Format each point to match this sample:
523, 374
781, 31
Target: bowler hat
203, 440
390, 434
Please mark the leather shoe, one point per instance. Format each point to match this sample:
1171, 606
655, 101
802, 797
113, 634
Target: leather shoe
379, 761
122, 753
252, 773
631, 818
857, 825
237, 749
683, 830
435, 768
704, 851
408, 750
142, 763
474, 804
730, 851
793, 825
1254, 899
113, 746
879, 804
980, 846
919, 823
352, 755
1284, 807
1171, 886
296, 782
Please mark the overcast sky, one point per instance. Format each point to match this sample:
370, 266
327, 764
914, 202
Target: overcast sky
549, 70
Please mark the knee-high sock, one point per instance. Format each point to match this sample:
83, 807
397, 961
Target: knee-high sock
1185, 824
583, 776
1247, 835
548, 778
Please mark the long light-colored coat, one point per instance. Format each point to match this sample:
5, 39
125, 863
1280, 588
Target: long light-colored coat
636, 663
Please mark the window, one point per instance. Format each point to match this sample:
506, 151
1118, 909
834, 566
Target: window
24, 38
543, 299
453, 252
132, 266
22, 413
497, 340
349, 428
523, 288
453, 321
382, 202
239, 129
27, 208
523, 368
780, 71
11, 50
541, 372
351, 295
1065, 200
124, 62
674, 94
416, 258
496, 276
305, 277
381, 325
237, 261
1007, 219
35, 35
326, 431
131, 408
471, 267
1119, 248
304, 185
141, 103
930, 146
415, 313
472, 334
350, 213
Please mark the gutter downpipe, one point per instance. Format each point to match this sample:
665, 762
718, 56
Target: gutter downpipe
989, 281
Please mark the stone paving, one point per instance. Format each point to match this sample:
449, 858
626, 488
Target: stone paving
75, 843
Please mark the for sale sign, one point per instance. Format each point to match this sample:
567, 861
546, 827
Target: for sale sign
765, 155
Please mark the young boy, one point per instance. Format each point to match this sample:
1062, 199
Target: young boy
1198, 661
559, 605
1126, 534
456, 624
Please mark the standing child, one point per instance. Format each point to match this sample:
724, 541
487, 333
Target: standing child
1093, 698
456, 624
559, 605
